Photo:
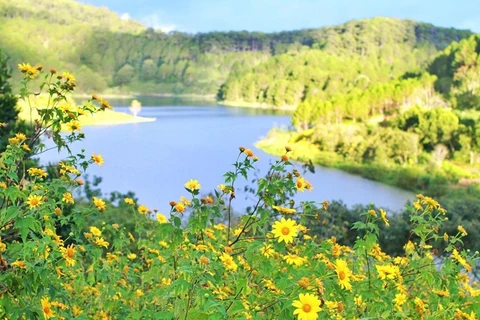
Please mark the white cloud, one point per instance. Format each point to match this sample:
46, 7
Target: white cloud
125, 17
156, 22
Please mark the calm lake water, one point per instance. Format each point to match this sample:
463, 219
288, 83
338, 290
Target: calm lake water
201, 142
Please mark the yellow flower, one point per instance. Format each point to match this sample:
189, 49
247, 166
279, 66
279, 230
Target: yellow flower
47, 308
36, 172
343, 274
24, 67
441, 293
294, 259
67, 198
204, 260
192, 185
77, 311
3, 185
388, 272
34, 201
300, 184
131, 256
285, 230
105, 104
29, 70
21, 136
284, 210
161, 218
461, 260
409, 247
68, 254
462, 230
383, 214
101, 242
99, 203
267, 250
307, 307
74, 125
400, 299
129, 201
180, 207
185, 201
14, 141
26, 147
97, 158
19, 264
68, 76
358, 300
228, 262
65, 108
142, 209
249, 153
95, 231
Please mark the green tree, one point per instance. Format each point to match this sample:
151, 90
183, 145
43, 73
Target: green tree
8, 102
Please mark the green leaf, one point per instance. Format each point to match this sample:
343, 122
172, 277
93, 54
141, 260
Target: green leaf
10, 213
25, 224
197, 315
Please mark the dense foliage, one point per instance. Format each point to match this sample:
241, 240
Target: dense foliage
110, 54
60, 259
342, 59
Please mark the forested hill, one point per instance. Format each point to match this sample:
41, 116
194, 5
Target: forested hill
109, 54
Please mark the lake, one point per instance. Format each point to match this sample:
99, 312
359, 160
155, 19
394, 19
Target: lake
201, 142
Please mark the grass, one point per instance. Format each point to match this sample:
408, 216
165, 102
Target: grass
106, 117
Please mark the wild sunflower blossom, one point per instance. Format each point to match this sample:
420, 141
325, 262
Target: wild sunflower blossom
161, 218
193, 185
285, 230
99, 203
228, 262
129, 201
74, 125
343, 273
37, 172
95, 231
68, 254
307, 307
68, 76
267, 250
284, 210
98, 159
47, 308
68, 198
295, 259
34, 201
142, 209
383, 214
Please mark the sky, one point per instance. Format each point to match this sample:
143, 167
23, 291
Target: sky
281, 15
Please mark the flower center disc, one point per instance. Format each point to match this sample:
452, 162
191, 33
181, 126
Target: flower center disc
341, 275
306, 308
285, 231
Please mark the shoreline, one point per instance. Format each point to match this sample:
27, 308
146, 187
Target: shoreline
148, 95
255, 105
446, 188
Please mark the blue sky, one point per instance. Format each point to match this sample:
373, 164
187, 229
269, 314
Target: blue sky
278, 15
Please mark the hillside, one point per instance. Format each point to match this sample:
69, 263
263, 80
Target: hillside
113, 55
341, 59
50, 32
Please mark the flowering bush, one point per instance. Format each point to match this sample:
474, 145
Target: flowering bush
267, 265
